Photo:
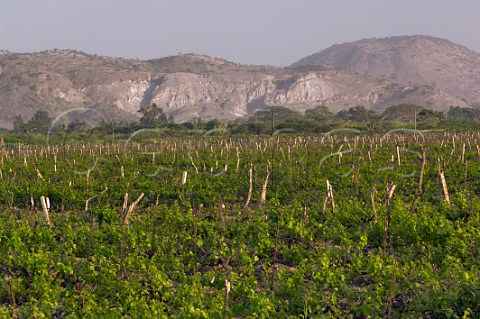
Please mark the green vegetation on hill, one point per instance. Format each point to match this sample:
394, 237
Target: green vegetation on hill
267, 121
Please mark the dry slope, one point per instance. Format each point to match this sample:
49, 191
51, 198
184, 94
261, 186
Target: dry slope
185, 86
409, 59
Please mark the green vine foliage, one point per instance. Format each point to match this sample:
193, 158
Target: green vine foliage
365, 254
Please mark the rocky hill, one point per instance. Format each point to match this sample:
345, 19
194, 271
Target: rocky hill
186, 87
409, 59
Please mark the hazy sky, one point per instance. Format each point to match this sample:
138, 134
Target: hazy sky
277, 32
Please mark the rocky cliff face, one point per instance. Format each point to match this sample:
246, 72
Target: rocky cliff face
187, 87
188, 95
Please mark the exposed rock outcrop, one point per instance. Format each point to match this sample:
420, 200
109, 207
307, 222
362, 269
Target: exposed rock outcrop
188, 86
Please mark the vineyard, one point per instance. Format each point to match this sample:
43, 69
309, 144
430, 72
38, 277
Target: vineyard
340, 225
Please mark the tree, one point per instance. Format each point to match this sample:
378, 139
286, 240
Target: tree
320, 113
39, 123
274, 117
153, 116
360, 114
404, 113
76, 126
278, 113
430, 118
343, 115
212, 124
463, 113
19, 125
463, 117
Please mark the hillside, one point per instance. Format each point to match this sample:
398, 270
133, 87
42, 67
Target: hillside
409, 59
186, 87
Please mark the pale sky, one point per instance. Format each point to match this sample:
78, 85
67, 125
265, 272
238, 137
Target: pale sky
276, 32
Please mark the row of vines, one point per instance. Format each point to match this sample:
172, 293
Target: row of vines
339, 225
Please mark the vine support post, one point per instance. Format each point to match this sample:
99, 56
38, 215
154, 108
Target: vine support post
386, 227
87, 181
223, 214
465, 177
184, 178
250, 187
329, 198
85, 210
372, 200
45, 207
422, 170
238, 160
443, 184
263, 195
193, 164
398, 156
128, 211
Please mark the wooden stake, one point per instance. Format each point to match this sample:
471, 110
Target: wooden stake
444, 187
129, 210
263, 195
125, 202
193, 164
93, 197
250, 187
398, 156
184, 178
390, 194
443, 183
422, 170
387, 220
32, 204
238, 160
329, 198
450, 156
45, 206
222, 213
39, 175
372, 200
88, 178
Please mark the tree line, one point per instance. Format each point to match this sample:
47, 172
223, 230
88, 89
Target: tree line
270, 120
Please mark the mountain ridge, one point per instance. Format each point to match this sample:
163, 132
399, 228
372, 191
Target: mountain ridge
189, 86
418, 59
